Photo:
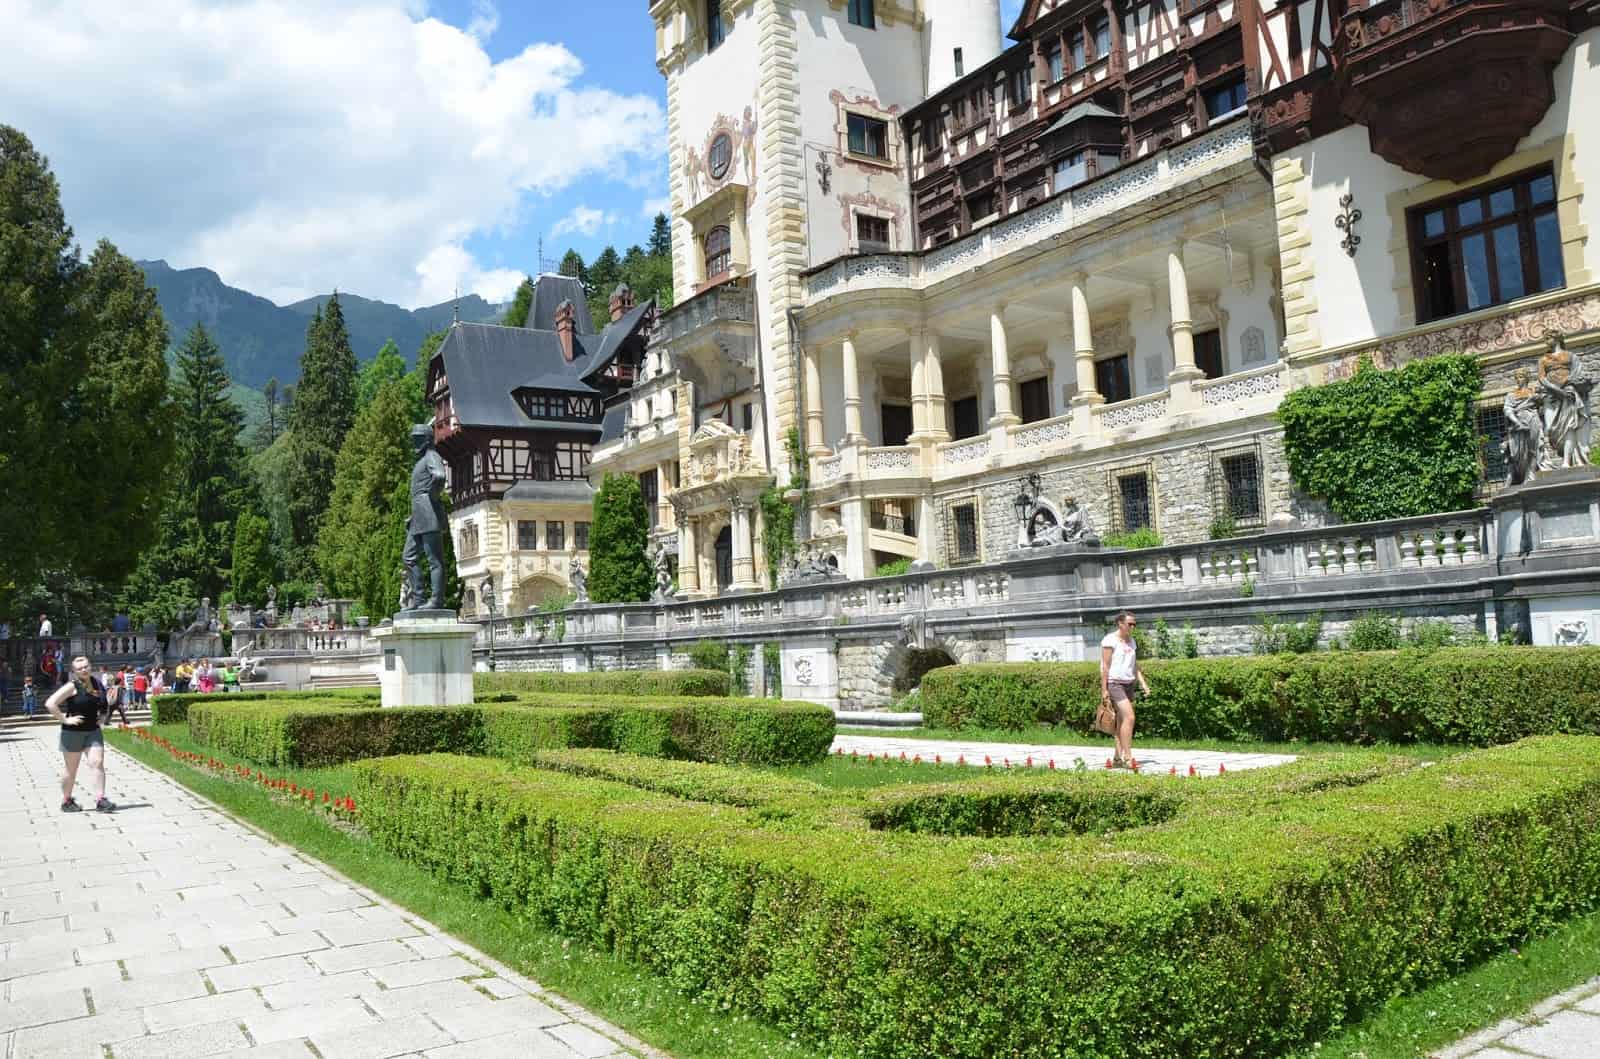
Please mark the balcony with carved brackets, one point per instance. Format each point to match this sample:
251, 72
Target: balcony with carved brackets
1446, 88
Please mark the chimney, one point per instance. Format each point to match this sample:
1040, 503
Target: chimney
621, 302
564, 328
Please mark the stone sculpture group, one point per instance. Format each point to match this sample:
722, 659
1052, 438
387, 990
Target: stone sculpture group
1548, 424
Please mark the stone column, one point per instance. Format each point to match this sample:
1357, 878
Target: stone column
933, 379
919, 387
852, 394
744, 567
1182, 321
815, 446
927, 517
1000, 358
688, 559
1083, 344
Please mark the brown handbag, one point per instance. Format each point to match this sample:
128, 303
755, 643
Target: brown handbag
1105, 718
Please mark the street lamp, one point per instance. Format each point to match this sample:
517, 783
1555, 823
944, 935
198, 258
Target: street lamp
1025, 502
487, 595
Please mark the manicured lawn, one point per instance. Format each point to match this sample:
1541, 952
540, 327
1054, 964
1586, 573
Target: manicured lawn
1048, 735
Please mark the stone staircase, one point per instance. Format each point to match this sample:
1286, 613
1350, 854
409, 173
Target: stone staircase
339, 681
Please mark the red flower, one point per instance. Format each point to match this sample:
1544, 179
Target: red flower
986, 762
1191, 770
1030, 761
1222, 770
1052, 764
1108, 763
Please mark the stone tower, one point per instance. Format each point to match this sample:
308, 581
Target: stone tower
786, 152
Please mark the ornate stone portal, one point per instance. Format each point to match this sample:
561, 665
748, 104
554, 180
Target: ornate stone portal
718, 511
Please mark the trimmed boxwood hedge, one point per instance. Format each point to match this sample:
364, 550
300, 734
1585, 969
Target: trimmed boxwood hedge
1270, 907
172, 708
1474, 696
308, 733
704, 682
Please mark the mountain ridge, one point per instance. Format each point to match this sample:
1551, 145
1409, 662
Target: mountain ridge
261, 340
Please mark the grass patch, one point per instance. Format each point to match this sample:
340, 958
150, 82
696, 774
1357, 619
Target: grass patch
641, 1003
1501, 987
1054, 735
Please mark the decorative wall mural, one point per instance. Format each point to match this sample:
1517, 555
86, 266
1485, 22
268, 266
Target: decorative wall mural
868, 203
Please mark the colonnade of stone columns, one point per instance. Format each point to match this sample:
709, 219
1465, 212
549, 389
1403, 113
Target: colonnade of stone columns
927, 371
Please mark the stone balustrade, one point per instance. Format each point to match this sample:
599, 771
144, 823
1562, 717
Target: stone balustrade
1449, 555
298, 641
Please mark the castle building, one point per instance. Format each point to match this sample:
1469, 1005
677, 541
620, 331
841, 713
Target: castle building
517, 412
919, 268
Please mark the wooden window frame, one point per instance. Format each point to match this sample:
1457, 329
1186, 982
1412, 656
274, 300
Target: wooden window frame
878, 246
1524, 214
718, 256
862, 13
1040, 385
867, 123
716, 32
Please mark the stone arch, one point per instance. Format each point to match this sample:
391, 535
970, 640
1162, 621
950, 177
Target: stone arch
532, 591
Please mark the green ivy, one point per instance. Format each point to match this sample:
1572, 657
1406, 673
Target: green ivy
778, 514
1387, 444
894, 567
1143, 537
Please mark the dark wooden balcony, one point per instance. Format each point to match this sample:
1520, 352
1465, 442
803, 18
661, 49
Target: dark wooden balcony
1446, 88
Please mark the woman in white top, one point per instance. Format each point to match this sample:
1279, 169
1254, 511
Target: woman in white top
1119, 668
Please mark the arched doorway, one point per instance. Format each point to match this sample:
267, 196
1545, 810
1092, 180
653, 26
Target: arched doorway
724, 550
534, 591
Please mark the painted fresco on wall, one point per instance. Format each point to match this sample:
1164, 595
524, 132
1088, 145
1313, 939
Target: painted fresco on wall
727, 154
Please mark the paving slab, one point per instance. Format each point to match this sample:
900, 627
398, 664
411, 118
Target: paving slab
1018, 755
192, 934
1564, 1026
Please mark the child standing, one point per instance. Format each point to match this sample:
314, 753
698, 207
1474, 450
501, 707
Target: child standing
30, 698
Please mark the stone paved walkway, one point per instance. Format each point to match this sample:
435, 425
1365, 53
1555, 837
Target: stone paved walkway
1566, 1026
1205, 762
169, 929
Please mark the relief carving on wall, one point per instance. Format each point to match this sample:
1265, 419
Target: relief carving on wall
1571, 316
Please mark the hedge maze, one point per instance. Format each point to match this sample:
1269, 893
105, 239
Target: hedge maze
1030, 913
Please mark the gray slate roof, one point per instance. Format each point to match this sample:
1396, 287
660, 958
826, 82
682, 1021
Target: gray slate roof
487, 363
581, 492
1076, 113
549, 291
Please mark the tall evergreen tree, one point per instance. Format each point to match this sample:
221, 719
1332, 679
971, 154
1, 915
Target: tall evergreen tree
353, 543
81, 364
572, 265
619, 570
521, 304
252, 559
209, 486
324, 407
604, 275
272, 424
211, 480
661, 237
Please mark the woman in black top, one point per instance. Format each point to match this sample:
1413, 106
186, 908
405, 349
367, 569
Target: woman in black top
77, 704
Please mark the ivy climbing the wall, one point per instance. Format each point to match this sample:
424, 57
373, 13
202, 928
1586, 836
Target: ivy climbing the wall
1387, 444
778, 515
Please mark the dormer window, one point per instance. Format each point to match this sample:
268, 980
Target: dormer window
719, 254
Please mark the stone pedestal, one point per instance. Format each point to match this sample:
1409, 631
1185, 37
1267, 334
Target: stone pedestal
1558, 509
426, 659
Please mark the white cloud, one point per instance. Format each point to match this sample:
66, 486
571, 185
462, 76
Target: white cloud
585, 221
485, 20
449, 269
298, 145
652, 207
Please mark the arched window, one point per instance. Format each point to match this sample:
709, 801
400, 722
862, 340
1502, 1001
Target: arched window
719, 253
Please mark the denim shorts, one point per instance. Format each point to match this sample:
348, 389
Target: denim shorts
77, 742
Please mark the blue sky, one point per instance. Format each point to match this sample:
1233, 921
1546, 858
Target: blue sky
397, 149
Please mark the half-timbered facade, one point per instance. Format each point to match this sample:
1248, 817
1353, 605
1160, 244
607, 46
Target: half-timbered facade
517, 411
1090, 263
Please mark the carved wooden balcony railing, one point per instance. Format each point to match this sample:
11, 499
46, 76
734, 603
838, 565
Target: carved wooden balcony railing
1446, 88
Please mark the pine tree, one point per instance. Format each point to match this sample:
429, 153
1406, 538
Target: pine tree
619, 570
324, 407
210, 483
354, 540
521, 305
572, 265
252, 559
604, 275
272, 425
661, 237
